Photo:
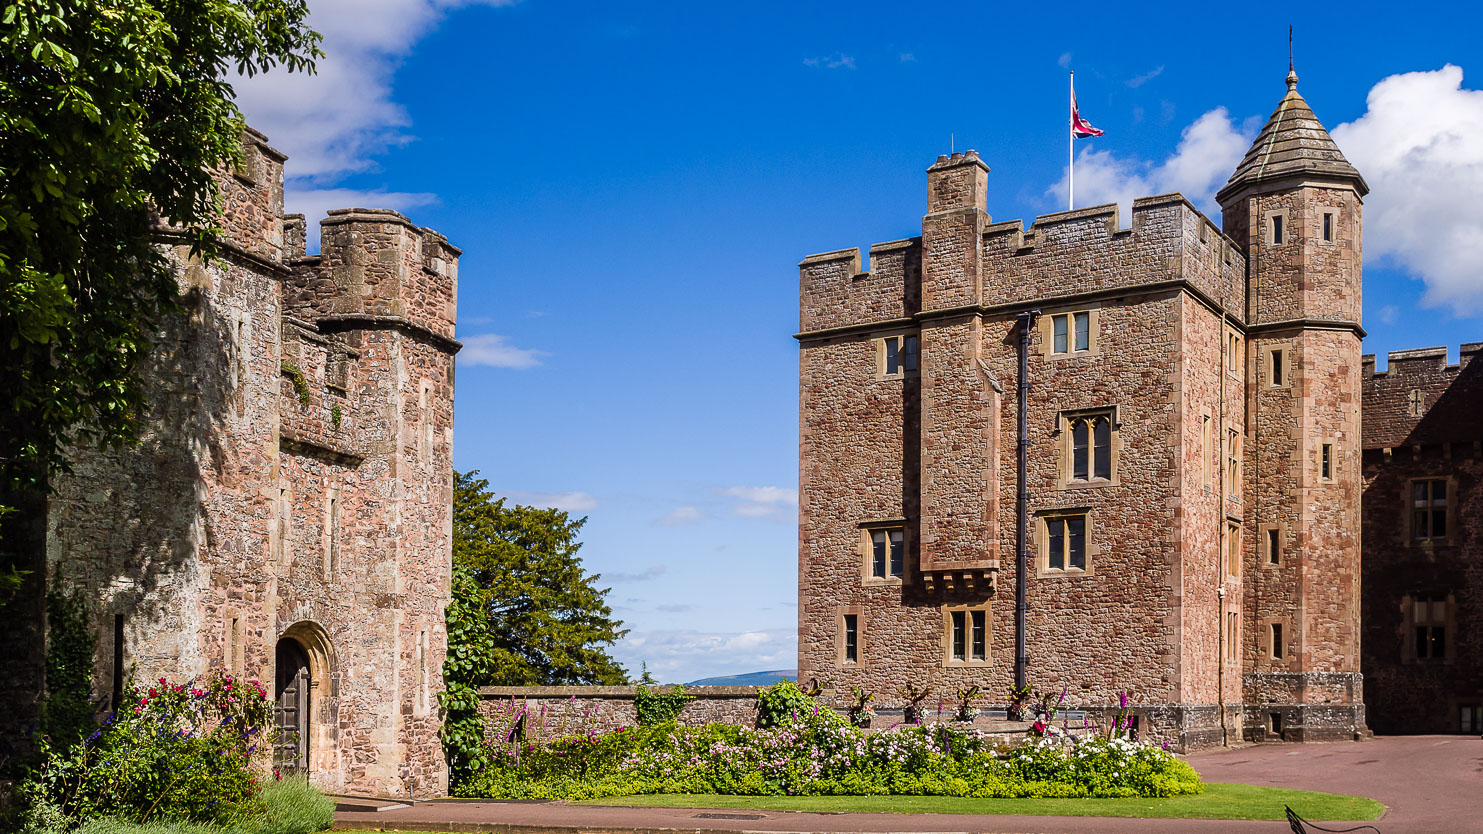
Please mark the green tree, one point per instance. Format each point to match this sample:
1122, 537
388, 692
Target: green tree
523, 612
113, 114
521, 585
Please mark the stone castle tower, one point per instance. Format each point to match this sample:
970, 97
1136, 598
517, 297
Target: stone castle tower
1191, 402
288, 515
1294, 206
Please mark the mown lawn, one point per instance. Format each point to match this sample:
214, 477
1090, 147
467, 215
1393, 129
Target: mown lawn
1220, 801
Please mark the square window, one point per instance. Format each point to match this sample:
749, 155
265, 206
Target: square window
1071, 333
1065, 545
886, 557
898, 356
966, 635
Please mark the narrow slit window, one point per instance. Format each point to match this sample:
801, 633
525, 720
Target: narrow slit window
1274, 546
1079, 436
1056, 543
1327, 463
1277, 641
960, 637
852, 638
1277, 229
1233, 549
1277, 369
1102, 446
1076, 543
893, 348
1328, 227
978, 646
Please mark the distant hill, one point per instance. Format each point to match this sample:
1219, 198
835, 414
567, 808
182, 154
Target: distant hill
749, 679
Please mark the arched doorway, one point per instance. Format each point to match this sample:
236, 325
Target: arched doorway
291, 694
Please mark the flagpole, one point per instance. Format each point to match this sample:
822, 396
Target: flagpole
1071, 151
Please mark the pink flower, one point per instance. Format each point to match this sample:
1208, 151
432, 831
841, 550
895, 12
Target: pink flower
231, 700
152, 693
136, 710
228, 684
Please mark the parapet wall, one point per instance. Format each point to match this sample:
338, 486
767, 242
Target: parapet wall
376, 265
1420, 399
568, 710
1063, 255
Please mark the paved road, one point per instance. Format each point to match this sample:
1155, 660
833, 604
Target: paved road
1428, 783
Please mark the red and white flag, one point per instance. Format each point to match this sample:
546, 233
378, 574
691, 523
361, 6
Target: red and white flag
1080, 128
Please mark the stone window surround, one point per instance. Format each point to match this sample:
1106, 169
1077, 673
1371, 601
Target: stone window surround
1333, 446
878, 344
948, 661
1449, 629
1289, 641
1233, 459
839, 639
1329, 211
874, 525
1232, 540
1235, 347
1408, 514
1042, 543
1064, 443
1264, 544
1267, 352
1267, 227
1207, 466
1094, 327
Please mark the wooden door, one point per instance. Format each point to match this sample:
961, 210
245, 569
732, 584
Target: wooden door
291, 713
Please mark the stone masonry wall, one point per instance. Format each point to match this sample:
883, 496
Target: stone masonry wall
249, 516
1423, 420
1143, 618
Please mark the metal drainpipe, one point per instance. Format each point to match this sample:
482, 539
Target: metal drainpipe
1022, 500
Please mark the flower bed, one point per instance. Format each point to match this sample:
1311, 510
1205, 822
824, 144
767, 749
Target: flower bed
818, 753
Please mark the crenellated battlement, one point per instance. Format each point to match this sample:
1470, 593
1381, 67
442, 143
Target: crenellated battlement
1169, 240
375, 265
1420, 361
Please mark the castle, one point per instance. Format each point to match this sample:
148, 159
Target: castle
1161, 423
288, 515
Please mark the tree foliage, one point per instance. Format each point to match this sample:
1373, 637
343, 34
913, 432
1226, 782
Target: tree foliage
113, 113
523, 612
522, 597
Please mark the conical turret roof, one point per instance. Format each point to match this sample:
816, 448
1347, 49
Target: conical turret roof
1293, 142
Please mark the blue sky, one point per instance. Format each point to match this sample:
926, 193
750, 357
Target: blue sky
633, 185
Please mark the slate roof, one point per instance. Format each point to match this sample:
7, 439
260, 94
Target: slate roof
1293, 142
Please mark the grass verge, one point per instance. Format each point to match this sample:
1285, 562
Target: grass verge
1220, 801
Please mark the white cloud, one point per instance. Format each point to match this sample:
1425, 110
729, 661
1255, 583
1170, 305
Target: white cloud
763, 502
652, 572
1419, 145
907, 57
1138, 81
764, 495
1208, 151
838, 60
336, 121
677, 655
572, 502
1064, 60
1387, 314
678, 516
315, 203
491, 349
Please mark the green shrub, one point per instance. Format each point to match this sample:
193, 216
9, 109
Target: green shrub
287, 806
655, 706
783, 703
182, 752
818, 753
